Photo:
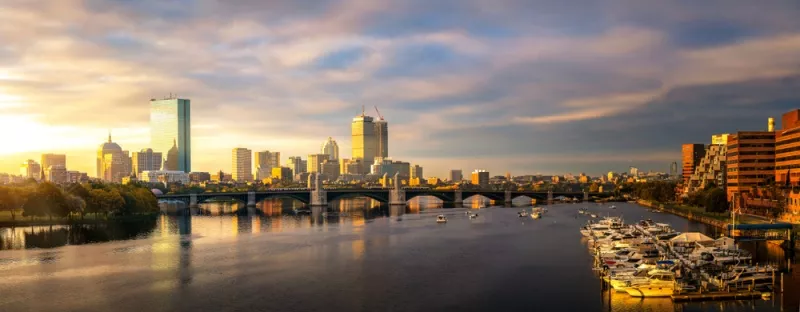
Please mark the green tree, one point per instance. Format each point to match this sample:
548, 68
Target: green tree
76, 204
11, 199
716, 201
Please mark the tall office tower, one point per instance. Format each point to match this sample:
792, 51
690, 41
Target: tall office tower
145, 160
381, 138
170, 125
364, 140
330, 148
315, 162
265, 161
416, 172
171, 162
242, 165
31, 169
297, 164
456, 175
49, 160
112, 162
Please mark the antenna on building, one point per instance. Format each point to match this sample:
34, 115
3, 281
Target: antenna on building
362, 110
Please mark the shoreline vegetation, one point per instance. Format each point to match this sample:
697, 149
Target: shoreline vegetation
33, 203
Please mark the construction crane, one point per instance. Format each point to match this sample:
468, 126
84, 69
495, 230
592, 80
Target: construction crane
379, 113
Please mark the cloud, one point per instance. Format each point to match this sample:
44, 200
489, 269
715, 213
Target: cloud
520, 78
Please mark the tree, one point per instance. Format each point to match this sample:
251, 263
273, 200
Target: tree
594, 187
76, 204
11, 199
716, 201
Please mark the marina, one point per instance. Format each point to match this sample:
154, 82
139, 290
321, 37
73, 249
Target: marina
650, 260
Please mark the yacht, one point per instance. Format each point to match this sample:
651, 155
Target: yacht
441, 219
659, 284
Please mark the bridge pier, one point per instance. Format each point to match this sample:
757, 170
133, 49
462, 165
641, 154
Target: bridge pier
458, 199
507, 199
319, 197
585, 197
193, 201
550, 197
251, 199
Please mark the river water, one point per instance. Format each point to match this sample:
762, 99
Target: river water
357, 257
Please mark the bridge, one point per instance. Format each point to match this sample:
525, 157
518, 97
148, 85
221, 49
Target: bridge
319, 197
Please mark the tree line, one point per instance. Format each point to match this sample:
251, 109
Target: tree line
76, 200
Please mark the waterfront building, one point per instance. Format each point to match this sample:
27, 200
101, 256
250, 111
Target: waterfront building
711, 168
416, 172
315, 162
56, 174
787, 157
146, 160
383, 166
750, 162
456, 175
165, 176
49, 160
170, 125
330, 148
330, 169
434, 181
30, 169
691, 154
480, 177
364, 140
199, 177
172, 162
242, 165
284, 174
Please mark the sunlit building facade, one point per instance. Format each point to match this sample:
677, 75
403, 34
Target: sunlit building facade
30, 169
364, 140
165, 177
242, 164
480, 177
49, 160
170, 124
416, 172
315, 162
750, 162
145, 160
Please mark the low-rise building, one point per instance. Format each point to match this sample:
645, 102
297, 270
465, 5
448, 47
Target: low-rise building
164, 176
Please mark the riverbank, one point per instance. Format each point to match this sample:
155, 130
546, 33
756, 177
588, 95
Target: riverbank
20, 221
718, 220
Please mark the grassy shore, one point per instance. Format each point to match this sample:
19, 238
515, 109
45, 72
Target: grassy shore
7, 221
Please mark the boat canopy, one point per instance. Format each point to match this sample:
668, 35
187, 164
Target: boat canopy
691, 237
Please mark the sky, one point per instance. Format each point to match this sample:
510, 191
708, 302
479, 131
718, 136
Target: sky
525, 86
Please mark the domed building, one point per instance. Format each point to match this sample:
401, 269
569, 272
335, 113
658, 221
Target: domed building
112, 162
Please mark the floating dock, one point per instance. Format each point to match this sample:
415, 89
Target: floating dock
717, 296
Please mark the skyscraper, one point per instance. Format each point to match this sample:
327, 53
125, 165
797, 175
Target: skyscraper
50, 160
146, 160
456, 175
31, 169
691, 156
170, 124
297, 164
265, 161
172, 162
381, 138
242, 165
330, 148
480, 177
416, 172
364, 140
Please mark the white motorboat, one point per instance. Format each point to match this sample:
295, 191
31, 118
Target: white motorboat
593, 215
659, 284
522, 214
441, 219
473, 215
613, 207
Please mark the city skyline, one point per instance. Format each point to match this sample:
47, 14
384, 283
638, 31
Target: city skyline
590, 91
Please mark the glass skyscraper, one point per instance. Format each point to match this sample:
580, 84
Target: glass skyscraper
170, 123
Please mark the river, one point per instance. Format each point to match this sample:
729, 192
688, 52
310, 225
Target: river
357, 257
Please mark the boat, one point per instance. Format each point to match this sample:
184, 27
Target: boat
536, 215
613, 207
593, 215
473, 215
659, 284
441, 219
583, 211
522, 214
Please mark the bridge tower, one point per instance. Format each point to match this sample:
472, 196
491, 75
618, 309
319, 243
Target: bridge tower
550, 197
397, 196
251, 199
193, 200
319, 197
